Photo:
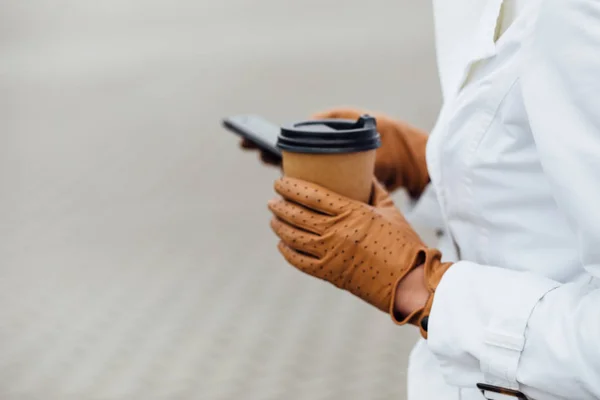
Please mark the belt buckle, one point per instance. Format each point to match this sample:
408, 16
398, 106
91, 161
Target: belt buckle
498, 393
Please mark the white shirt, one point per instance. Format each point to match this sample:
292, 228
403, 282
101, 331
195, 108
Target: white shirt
514, 161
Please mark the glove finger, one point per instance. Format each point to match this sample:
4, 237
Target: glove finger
298, 239
269, 158
313, 196
248, 144
301, 217
301, 261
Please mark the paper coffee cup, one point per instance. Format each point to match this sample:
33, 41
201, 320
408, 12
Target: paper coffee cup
336, 154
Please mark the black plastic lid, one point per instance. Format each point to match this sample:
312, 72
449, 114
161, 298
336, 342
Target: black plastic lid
327, 136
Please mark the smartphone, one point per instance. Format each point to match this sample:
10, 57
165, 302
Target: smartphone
256, 129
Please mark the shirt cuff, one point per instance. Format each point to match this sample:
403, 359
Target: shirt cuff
478, 320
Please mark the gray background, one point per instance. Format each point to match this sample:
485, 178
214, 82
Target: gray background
136, 261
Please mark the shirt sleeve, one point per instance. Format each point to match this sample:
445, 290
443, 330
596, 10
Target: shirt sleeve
543, 339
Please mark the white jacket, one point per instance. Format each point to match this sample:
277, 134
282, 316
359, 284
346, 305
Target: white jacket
514, 161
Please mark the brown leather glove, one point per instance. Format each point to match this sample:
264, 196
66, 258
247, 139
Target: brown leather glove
401, 158
364, 249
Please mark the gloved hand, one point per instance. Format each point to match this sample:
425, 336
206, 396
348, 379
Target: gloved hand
364, 249
401, 158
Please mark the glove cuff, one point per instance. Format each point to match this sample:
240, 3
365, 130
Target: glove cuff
434, 269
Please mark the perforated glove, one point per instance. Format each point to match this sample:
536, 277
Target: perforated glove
364, 249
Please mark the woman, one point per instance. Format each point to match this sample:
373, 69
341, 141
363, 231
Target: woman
514, 161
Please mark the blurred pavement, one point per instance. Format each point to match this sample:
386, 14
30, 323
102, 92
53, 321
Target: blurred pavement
136, 260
